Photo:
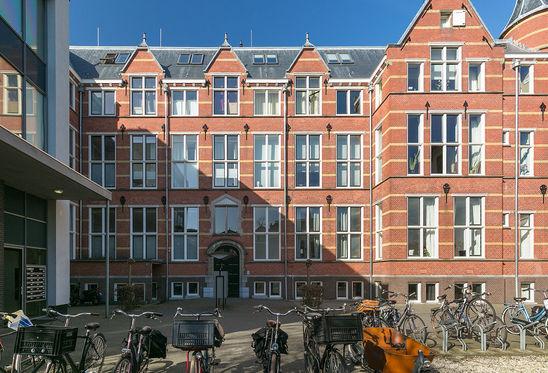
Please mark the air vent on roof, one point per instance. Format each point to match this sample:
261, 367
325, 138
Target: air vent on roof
339, 58
190, 59
261, 59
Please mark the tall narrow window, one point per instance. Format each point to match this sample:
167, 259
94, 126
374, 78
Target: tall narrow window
445, 69
526, 79
308, 233
469, 226
422, 227
184, 155
143, 233
143, 161
307, 165
526, 158
102, 166
307, 95
72, 148
184, 102
225, 161
378, 155
185, 233
72, 231
415, 77
102, 103
349, 233
528, 291
12, 94
143, 95
526, 236
267, 102
378, 94
225, 95
445, 139
476, 138
97, 232
267, 161
72, 95
378, 231
476, 77
349, 102
414, 144
349, 165
266, 233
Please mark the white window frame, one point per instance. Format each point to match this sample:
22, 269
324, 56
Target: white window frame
446, 21
531, 67
185, 161
436, 292
185, 91
173, 296
444, 62
144, 232
143, 91
304, 283
102, 161
266, 93
378, 231
307, 232
420, 88
89, 285
308, 92
337, 290
72, 95
446, 144
72, 231
270, 163
419, 144
531, 230
480, 143
469, 227
418, 292
226, 205
481, 76
7, 88
506, 137
255, 293
422, 228
267, 233
506, 220
192, 295
378, 154
103, 112
348, 103
270, 295
349, 233
72, 147
225, 162
115, 292
307, 161
143, 162
378, 94
531, 293
185, 234
531, 148
348, 161
226, 90
361, 291
104, 237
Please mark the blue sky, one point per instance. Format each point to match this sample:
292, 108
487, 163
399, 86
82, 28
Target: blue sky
274, 23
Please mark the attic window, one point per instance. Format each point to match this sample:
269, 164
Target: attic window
197, 59
258, 59
339, 58
184, 59
332, 58
268, 59
110, 58
271, 59
345, 58
121, 58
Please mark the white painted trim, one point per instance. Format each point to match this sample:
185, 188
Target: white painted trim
183, 81
101, 81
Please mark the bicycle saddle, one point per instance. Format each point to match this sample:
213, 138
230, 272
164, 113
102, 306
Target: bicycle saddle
92, 326
520, 299
442, 297
272, 323
145, 330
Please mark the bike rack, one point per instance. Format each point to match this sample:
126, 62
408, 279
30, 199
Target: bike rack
535, 327
445, 327
483, 335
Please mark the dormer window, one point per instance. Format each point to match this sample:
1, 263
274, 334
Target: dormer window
262, 59
197, 59
271, 59
184, 59
258, 59
109, 58
115, 58
339, 58
190, 59
121, 58
345, 58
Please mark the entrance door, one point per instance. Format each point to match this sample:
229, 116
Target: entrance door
232, 266
13, 280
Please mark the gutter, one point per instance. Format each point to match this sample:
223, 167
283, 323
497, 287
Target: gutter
80, 165
516, 66
166, 206
285, 92
370, 89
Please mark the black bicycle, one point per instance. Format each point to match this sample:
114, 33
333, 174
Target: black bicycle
324, 331
135, 355
270, 341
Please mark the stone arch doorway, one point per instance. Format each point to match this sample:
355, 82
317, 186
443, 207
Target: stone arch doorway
233, 264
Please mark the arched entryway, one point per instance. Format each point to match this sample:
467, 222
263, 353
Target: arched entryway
227, 255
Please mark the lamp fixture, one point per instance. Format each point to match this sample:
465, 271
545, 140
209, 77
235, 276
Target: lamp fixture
465, 105
329, 127
329, 200
122, 202
427, 106
58, 191
123, 129
246, 129
542, 110
543, 190
446, 190
205, 128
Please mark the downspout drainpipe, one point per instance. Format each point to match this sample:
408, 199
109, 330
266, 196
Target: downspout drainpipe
107, 260
516, 66
166, 207
286, 205
370, 89
80, 165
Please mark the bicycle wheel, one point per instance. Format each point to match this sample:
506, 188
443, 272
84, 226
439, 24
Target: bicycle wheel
413, 326
510, 314
439, 317
311, 363
95, 355
56, 366
123, 366
480, 312
334, 363
274, 364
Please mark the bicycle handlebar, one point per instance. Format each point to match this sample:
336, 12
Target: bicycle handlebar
261, 308
53, 313
150, 315
324, 310
214, 313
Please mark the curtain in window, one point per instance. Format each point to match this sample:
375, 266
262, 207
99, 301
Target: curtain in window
178, 108
191, 103
260, 103
273, 103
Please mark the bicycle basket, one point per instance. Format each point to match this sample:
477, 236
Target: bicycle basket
338, 329
45, 340
193, 334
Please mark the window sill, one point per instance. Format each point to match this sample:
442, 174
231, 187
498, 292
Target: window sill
102, 116
469, 258
305, 260
422, 258
184, 116
184, 260
349, 260
349, 115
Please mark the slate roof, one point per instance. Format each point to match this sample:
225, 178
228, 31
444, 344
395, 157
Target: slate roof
86, 61
525, 8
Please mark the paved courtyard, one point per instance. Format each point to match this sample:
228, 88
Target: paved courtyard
240, 321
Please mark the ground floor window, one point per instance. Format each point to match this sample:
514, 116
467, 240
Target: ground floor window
432, 291
342, 290
528, 291
414, 292
275, 289
357, 290
176, 289
259, 288
154, 291
192, 289
117, 287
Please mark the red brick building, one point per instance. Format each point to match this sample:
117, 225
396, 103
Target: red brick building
263, 154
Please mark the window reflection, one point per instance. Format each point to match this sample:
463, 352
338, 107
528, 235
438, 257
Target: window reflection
34, 25
11, 98
34, 117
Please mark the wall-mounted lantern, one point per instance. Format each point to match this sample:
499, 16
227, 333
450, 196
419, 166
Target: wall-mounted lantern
246, 202
329, 128
543, 190
465, 105
122, 202
427, 106
446, 190
542, 110
164, 201
246, 129
122, 130
205, 128
329, 200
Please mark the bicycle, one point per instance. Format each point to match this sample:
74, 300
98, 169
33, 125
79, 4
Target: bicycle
4, 316
470, 311
320, 329
135, 356
407, 322
198, 336
270, 354
517, 313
